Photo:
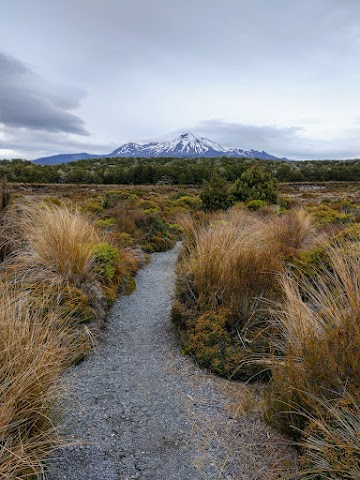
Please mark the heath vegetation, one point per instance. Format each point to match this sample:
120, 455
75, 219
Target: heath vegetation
268, 291
272, 295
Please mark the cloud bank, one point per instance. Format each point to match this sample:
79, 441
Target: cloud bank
27, 101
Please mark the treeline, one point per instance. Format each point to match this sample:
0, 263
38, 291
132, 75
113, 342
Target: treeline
174, 171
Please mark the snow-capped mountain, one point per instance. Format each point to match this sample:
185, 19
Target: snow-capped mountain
185, 146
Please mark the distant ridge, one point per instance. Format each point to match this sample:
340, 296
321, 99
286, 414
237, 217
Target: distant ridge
64, 158
186, 145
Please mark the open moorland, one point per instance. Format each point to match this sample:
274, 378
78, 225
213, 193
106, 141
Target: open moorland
267, 299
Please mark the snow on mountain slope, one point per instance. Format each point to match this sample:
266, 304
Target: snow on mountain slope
186, 145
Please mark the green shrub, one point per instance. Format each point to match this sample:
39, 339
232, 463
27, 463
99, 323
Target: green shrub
187, 201
209, 341
323, 214
215, 194
92, 206
106, 223
255, 184
347, 207
107, 258
255, 205
154, 210
112, 198
210, 344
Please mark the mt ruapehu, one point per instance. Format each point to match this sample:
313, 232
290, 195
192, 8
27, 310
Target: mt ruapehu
185, 146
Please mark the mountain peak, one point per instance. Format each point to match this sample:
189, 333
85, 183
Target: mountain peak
187, 145
188, 136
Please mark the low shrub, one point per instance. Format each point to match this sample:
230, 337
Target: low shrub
188, 202
255, 205
92, 206
210, 344
106, 260
106, 223
324, 214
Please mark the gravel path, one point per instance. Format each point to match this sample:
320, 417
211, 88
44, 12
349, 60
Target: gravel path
144, 411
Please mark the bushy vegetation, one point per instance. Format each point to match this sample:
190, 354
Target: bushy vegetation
215, 193
176, 171
273, 295
230, 264
255, 187
265, 292
254, 184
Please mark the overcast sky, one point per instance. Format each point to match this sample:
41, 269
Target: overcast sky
89, 75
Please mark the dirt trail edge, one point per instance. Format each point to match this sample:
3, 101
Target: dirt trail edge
143, 411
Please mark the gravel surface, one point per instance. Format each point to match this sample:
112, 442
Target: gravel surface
136, 408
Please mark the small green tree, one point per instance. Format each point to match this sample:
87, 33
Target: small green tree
255, 184
215, 193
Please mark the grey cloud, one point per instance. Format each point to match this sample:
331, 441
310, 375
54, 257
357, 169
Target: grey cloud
276, 140
30, 146
150, 67
289, 142
28, 101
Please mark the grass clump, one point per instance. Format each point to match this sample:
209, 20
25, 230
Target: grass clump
59, 239
319, 325
316, 370
34, 351
331, 445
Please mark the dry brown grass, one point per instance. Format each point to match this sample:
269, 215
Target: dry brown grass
229, 271
231, 261
234, 260
33, 353
317, 311
331, 445
292, 230
59, 238
318, 364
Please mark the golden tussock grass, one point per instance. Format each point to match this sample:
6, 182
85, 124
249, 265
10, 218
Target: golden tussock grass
233, 258
32, 356
323, 312
58, 238
292, 230
315, 386
331, 444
